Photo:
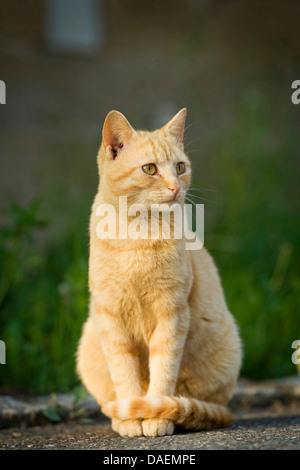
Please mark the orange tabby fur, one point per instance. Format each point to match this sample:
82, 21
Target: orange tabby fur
159, 347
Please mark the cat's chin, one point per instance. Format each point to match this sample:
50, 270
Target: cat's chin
169, 201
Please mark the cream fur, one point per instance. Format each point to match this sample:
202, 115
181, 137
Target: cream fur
158, 324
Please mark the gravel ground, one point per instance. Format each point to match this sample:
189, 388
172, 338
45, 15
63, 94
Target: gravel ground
256, 432
267, 417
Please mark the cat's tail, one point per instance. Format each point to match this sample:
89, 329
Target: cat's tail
186, 412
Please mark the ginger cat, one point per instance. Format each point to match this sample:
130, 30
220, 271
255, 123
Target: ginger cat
159, 348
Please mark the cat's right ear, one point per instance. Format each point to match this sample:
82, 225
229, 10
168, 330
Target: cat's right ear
116, 134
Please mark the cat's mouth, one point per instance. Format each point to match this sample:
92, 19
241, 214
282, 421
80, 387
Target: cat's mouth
175, 198
172, 199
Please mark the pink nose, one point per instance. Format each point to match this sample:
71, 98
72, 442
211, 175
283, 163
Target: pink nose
175, 188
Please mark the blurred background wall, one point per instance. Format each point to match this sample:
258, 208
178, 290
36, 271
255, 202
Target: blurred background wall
65, 65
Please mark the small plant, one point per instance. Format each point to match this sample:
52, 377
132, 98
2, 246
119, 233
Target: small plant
57, 413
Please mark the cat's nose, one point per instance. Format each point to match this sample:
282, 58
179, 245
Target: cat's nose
175, 188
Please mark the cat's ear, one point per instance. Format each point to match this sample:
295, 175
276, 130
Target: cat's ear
116, 134
175, 127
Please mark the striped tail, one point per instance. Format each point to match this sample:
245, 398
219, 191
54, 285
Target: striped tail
187, 412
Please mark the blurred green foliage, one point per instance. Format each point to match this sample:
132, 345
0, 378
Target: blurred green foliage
259, 235
254, 237
43, 302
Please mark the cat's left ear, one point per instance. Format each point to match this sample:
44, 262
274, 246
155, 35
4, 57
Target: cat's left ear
175, 127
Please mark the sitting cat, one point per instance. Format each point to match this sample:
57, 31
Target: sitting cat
159, 347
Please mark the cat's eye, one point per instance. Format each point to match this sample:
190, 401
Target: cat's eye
150, 169
180, 168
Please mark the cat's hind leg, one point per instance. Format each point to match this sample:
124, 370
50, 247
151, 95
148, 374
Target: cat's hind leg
92, 366
93, 371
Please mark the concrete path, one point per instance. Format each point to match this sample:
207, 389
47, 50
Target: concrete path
267, 417
277, 432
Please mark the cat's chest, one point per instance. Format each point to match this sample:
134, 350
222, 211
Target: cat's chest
134, 279
146, 268
138, 286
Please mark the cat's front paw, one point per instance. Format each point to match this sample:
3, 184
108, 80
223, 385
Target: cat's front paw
128, 427
153, 427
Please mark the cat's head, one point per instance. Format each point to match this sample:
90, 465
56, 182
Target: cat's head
147, 167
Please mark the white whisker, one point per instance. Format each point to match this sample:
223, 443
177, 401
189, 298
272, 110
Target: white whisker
200, 198
192, 124
194, 140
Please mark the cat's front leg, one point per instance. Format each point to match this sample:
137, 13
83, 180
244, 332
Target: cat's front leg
123, 364
165, 353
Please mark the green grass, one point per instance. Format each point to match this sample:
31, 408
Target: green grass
43, 302
259, 215
254, 237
